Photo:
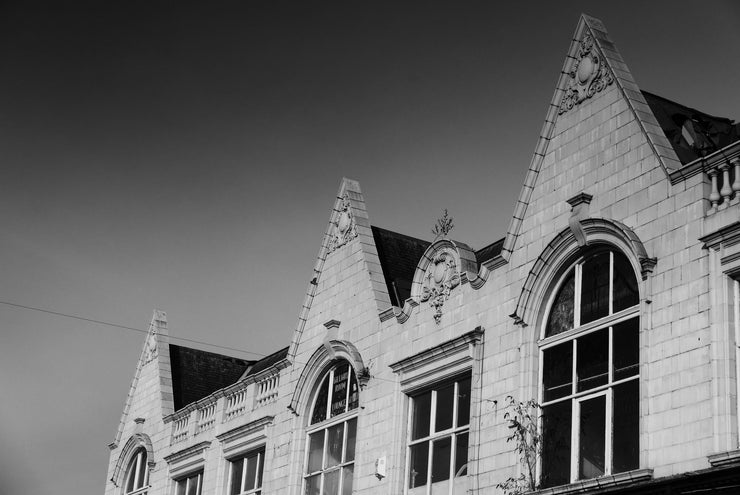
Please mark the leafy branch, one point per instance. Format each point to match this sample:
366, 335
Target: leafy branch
443, 226
521, 419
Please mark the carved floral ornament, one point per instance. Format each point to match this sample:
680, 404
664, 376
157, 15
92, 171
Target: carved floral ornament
588, 76
344, 226
440, 278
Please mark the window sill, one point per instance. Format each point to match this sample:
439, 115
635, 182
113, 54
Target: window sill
586, 486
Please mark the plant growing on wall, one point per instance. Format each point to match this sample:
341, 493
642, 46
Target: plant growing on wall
443, 226
521, 419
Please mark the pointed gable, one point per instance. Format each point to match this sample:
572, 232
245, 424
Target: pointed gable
592, 68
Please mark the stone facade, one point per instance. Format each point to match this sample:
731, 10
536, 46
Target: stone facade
604, 174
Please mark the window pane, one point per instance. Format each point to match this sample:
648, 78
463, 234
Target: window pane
249, 482
236, 477
353, 393
131, 477
141, 481
557, 372
626, 426
181, 485
331, 483
595, 288
445, 406
461, 455
625, 284
348, 473
463, 402
319, 408
561, 313
419, 458
592, 438
556, 425
339, 390
351, 436
313, 485
315, 451
193, 484
422, 412
260, 470
592, 362
334, 451
626, 348
441, 459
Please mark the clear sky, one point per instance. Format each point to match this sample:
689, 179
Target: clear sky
186, 156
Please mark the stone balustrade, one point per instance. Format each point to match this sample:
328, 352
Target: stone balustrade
267, 391
180, 429
236, 404
206, 417
725, 185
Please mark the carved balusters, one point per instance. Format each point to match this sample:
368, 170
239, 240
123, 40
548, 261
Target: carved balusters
714, 195
726, 191
735, 162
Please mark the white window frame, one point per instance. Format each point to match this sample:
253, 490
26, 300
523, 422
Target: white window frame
187, 479
575, 397
453, 432
259, 474
326, 425
134, 469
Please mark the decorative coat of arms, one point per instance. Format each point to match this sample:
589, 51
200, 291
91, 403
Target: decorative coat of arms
439, 280
588, 76
344, 226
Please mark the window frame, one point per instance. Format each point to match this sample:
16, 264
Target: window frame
325, 425
577, 397
259, 473
453, 432
187, 479
135, 469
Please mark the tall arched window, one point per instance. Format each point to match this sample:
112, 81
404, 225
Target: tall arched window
330, 453
137, 474
590, 371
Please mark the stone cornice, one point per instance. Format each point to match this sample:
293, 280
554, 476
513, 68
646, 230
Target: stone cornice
244, 430
704, 164
727, 235
193, 450
451, 347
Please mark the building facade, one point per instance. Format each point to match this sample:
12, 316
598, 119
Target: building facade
613, 302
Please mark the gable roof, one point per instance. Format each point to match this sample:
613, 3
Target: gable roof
710, 133
399, 254
197, 374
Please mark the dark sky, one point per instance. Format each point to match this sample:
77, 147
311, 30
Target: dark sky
185, 157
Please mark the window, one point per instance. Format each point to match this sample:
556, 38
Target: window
190, 485
245, 475
330, 455
590, 371
137, 475
438, 439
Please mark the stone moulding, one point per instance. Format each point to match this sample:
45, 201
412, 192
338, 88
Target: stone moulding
443, 267
589, 75
559, 253
134, 442
316, 365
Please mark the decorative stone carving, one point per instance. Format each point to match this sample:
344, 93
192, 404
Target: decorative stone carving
344, 226
151, 348
588, 76
440, 278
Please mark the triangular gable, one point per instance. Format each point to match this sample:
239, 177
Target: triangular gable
590, 35
156, 348
348, 223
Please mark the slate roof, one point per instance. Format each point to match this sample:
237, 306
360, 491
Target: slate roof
197, 374
710, 133
488, 252
267, 361
399, 254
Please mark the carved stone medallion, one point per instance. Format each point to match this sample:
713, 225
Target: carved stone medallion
344, 226
588, 76
439, 280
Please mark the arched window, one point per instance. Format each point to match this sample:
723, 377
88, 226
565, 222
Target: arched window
330, 454
137, 474
590, 369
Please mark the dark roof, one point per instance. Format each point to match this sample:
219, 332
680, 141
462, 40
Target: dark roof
488, 252
268, 361
197, 374
399, 254
704, 132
